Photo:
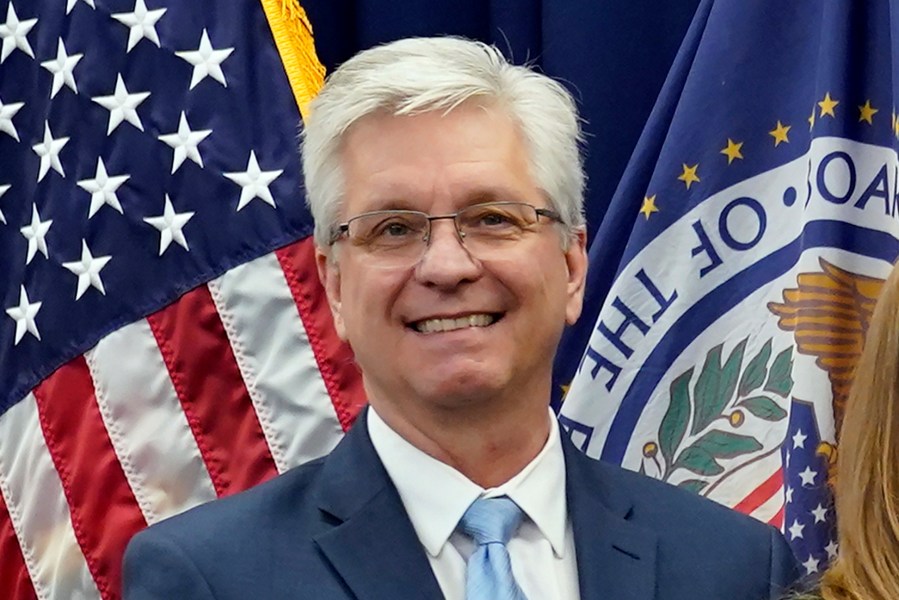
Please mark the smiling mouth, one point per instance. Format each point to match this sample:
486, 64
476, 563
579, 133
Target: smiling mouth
452, 324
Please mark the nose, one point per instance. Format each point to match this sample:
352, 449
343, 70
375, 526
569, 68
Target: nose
446, 263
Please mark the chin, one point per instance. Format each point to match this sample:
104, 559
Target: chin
461, 389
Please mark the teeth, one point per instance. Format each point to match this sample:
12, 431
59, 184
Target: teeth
438, 325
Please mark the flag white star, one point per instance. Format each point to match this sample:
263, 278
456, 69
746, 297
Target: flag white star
122, 106
62, 68
206, 61
170, 225
88, 270
24, 315
811, 565
14, 34
71, 4
3, 190
789, 495
820, 514
142, 23
36, 234
7, 112
103, 189
832, 548
799, 439
808, 476
255, 182
49, 151
185, 142
796, 530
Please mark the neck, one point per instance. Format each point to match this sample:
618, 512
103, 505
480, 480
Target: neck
488, 443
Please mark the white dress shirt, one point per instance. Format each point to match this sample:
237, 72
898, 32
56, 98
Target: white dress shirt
436, 496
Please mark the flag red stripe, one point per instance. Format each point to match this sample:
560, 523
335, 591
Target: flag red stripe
761, 494
207, 379
103, 509
778, 519
334, 357
14, 579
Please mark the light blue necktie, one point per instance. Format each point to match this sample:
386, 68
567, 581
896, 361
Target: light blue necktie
491, 522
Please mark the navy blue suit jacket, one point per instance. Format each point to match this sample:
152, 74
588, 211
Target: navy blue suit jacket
336, 528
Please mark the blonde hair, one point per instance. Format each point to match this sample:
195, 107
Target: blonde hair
867, 485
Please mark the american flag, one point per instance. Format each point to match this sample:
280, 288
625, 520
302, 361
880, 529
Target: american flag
164, 339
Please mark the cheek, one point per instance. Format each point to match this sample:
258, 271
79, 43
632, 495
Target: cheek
368, 300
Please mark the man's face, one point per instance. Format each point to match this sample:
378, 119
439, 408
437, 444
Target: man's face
438, 164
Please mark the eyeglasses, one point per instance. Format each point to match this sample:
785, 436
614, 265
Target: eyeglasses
398, 238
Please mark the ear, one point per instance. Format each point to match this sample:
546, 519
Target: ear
576, 261
329, 275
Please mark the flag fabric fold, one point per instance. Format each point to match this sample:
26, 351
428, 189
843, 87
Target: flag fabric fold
748, 240
164, 339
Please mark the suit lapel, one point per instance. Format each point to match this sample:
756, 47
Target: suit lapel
373, 547
615, 557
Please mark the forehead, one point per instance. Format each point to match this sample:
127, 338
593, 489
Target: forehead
473, 153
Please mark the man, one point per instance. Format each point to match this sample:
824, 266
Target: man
447, 191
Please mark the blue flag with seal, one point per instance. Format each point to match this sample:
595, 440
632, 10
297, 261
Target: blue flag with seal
735, 273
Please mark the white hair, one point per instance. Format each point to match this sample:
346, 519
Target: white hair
418, 75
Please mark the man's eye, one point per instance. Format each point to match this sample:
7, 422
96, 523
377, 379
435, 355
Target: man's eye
393, 228
494, 219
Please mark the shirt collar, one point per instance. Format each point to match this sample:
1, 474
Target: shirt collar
436, 495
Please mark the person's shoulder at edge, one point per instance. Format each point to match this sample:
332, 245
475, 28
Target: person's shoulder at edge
695, 534
668, 503
203, 523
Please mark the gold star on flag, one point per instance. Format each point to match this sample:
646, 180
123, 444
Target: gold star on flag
649, 206
733, 150
827, 105
689, 175
811, 119
866, 113
780, 132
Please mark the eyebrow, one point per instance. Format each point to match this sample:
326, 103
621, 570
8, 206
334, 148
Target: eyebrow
475, 196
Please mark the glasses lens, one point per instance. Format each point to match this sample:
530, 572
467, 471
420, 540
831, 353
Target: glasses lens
390, 234
491, 225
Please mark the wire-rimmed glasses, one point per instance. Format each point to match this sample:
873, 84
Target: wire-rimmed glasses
398, 238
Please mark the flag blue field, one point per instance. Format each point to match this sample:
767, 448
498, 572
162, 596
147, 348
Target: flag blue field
735, 273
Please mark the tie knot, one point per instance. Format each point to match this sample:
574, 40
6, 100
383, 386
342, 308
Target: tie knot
491, 520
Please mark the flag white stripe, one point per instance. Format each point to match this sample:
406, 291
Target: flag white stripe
276, 361
146, 424
38, 508
770, 507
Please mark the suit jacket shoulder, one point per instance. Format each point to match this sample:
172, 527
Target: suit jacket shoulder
647, 539
333, 528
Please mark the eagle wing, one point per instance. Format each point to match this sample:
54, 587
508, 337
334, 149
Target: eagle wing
829, 312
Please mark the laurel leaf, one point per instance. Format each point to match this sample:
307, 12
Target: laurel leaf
693, 485
706, 390
763, 407
724, 444
730, 373
716, 385
698, 460
756, 371
674, 423
780, 380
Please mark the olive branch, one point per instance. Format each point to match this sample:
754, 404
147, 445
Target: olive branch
722, 392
